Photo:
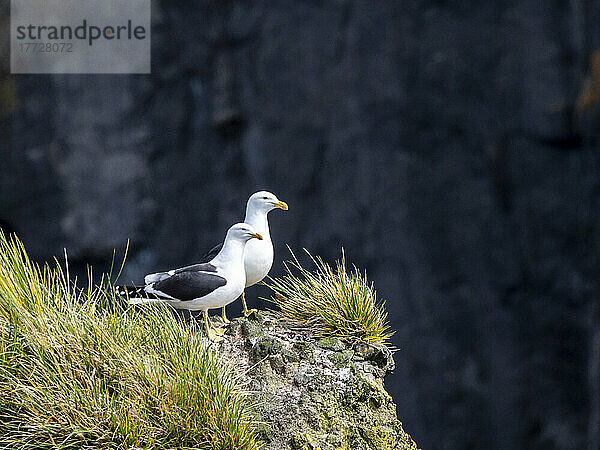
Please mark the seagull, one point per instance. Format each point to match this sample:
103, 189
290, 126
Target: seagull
259, 254
203, 286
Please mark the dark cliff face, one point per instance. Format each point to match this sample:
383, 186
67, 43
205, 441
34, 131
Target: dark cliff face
450, 147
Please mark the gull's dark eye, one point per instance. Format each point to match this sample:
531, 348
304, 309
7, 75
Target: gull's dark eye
265, 198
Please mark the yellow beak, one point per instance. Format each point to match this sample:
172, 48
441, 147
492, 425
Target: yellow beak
257, 236
282, 205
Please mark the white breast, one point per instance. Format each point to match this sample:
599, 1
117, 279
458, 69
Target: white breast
258, 260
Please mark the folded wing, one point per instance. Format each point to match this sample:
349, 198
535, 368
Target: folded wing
188, 284
159, 276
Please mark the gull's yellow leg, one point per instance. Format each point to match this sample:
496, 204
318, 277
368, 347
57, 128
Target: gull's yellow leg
245, 309
224, 316
212, 334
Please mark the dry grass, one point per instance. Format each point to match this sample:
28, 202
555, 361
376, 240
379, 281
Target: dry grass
332, 300
80, 369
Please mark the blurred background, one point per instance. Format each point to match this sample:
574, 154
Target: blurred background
451, 147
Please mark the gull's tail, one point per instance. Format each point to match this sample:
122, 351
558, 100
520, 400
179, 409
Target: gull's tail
136, 295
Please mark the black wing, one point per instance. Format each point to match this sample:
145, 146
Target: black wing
204, 267
212, 253
189, 284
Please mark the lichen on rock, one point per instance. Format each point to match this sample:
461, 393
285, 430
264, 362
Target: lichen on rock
314, 393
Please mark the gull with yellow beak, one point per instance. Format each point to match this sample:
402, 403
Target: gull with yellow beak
204, 286
259, 254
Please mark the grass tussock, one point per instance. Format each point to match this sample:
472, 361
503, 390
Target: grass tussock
332, 300
80, 369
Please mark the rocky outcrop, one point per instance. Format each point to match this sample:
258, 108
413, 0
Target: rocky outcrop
313, 393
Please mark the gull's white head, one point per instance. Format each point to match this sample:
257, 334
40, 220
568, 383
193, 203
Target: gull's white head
243, 232
264, 201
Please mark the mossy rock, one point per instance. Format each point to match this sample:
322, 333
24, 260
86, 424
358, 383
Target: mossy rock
299, 442
264, 432
314, 394
277, 363
232, 328
341, 359
331, 343
379, 437
265, 347
378, 354
305, 350
255, 316
304, 376
290, 356
251, 329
